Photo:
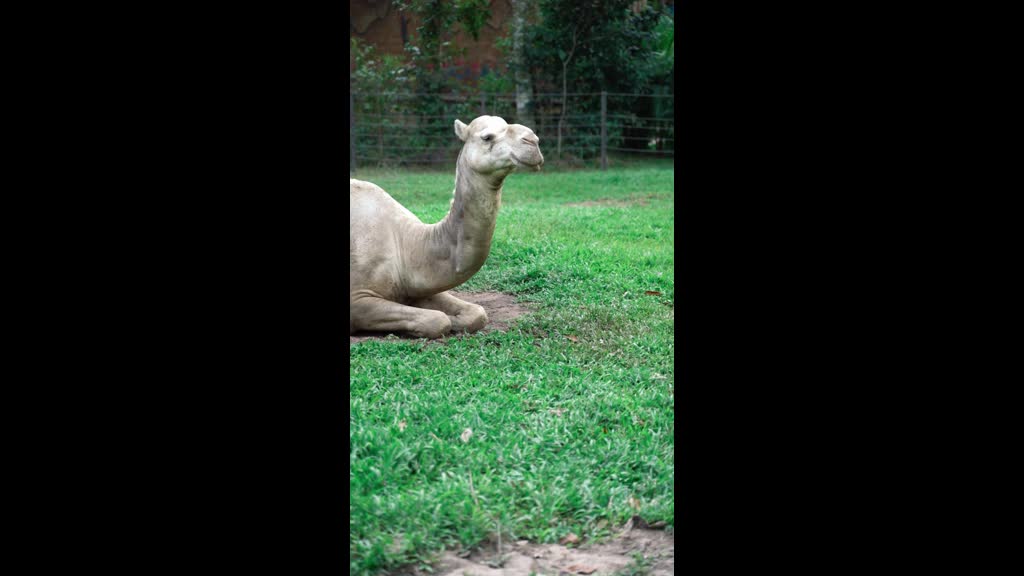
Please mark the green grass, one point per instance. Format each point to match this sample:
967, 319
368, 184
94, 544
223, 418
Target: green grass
568, 436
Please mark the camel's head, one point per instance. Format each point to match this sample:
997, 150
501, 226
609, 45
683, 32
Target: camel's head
494, 146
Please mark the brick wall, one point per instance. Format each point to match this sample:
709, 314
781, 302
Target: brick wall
379, 23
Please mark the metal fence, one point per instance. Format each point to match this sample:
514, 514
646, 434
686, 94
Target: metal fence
391, 129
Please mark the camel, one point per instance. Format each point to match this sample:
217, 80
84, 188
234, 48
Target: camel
400, 269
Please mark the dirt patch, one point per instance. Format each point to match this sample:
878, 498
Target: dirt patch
617, 555
501, 310
633, 200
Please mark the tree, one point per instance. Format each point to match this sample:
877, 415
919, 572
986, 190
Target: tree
595, 45
524, 87
564, 27
433, 51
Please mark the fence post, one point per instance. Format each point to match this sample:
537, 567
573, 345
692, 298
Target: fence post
351, 134
483, 103
604, 130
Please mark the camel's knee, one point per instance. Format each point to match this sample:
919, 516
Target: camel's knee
473, 319
432, 324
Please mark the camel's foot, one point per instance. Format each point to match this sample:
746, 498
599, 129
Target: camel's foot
373, 313
464, 316
433, 325
470, 319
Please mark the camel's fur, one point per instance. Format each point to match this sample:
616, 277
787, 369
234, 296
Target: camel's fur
400, 269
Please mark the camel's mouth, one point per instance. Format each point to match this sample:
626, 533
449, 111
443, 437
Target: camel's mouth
535, 166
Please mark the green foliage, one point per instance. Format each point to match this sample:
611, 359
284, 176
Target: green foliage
615, 50
661, 43
665, 36
603, 45
472, 14
495, 82
612, 47
433, 49
399, 119
375, 72
565, 431
396, 121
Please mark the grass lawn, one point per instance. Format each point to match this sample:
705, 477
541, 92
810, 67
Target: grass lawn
569, 434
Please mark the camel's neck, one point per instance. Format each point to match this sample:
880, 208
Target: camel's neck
468, 228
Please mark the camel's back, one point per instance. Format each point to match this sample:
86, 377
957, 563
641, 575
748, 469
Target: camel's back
370, 204
376, 221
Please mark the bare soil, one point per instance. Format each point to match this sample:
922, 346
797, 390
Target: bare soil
633, 200
616, 555
501, 309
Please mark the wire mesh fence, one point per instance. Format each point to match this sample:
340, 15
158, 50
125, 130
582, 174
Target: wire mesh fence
408, 129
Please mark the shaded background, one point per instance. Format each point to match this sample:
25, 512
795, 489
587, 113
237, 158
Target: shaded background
593, 79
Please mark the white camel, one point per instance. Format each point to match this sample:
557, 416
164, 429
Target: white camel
400, 269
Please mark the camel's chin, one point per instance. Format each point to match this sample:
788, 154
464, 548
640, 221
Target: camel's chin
531, 167
516, 162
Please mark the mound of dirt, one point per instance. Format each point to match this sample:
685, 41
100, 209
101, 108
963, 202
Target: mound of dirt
501, 309
619, 554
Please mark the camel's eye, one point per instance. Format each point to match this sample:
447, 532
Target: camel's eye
488, 137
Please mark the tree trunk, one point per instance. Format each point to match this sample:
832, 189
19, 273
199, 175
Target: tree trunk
565, 103
524, 88
561, 118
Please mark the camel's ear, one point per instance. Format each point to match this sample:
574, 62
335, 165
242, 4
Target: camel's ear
461, 130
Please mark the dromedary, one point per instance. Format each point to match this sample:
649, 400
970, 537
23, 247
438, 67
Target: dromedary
400, 269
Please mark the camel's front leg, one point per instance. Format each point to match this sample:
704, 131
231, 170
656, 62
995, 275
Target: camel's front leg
465, 316
376, 314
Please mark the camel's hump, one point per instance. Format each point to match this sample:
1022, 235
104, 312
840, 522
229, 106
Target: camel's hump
354, 185
369, 201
